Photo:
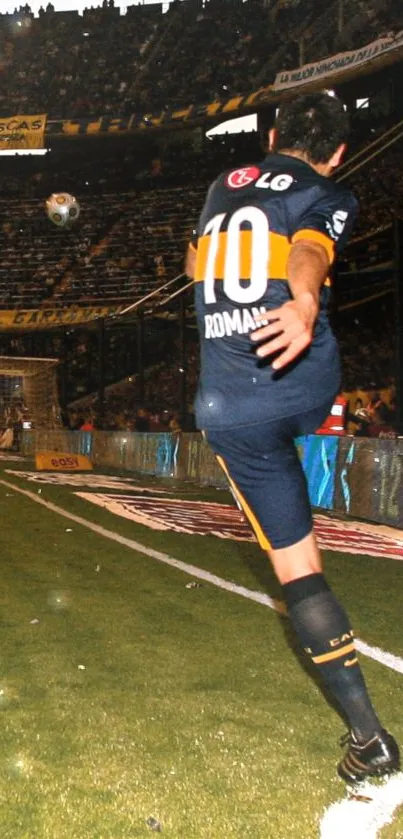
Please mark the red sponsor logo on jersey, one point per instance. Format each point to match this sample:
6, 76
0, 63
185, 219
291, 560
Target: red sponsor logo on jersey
242, 177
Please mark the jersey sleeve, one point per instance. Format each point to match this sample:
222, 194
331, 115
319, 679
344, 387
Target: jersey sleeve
328, 221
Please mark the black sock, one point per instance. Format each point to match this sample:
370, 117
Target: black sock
324, 630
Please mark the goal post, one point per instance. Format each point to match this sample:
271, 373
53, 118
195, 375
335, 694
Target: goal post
28, 393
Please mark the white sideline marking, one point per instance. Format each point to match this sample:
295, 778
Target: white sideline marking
356, 819
393, 662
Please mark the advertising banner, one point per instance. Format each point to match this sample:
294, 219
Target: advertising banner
319, 457
22, 132
355, 484
388, 484
335, 64
62, 462
43, 318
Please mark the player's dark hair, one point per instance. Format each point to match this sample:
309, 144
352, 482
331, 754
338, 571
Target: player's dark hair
315, 125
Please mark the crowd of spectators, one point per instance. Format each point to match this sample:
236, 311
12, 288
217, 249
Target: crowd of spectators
105, 63
69, 66
381, 194
139, 204
159, 407
367, 346
349, 25
125, 244
129, 243
113, 255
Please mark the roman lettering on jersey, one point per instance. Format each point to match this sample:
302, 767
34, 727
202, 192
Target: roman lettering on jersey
225, 323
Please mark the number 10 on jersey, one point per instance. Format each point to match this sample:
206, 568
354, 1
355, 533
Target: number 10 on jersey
244, 254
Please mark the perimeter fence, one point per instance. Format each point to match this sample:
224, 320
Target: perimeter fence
353, 476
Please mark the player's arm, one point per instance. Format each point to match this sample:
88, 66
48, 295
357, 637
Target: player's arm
291, 326
190, 261
321, 232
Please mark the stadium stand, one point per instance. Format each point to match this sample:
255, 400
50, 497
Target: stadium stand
128, 243
104, 63
140, 200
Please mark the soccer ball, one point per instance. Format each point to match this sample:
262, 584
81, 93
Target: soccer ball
62, 209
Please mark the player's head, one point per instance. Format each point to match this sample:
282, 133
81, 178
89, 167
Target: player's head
314, 127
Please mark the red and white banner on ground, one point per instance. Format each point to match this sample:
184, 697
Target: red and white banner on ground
227, 522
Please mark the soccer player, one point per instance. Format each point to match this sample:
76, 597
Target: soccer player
266, 240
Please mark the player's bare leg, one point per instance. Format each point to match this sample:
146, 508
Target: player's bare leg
297, 560
324, 630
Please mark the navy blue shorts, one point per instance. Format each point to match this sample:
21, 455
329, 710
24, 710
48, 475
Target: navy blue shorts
265, 474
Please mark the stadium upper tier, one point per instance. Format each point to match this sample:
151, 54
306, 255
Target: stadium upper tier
103, 63
132, 234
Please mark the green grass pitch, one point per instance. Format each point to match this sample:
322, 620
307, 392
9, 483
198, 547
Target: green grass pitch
125, 695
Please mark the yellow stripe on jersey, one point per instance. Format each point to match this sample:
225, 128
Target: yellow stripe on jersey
279, 251
316, 236
256, 527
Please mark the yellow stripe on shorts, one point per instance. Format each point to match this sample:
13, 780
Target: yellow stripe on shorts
260, 535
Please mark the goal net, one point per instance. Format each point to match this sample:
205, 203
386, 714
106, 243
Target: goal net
28, 396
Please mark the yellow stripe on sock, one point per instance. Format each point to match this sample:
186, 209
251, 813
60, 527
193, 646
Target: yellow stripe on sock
322, 659
351, 661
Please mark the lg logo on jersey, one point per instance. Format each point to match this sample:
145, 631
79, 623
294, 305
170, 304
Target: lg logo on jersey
278, 183
251, 174
242, 177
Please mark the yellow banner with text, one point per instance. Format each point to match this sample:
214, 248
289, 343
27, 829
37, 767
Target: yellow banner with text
44, 318
22, 132
62, 462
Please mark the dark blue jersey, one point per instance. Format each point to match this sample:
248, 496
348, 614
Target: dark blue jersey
250, 220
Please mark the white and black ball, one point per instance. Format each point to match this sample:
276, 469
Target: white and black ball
62, 209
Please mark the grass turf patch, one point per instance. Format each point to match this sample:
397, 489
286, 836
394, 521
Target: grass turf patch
130, 695
366, 585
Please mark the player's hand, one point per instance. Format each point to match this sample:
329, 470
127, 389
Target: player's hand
288, 328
